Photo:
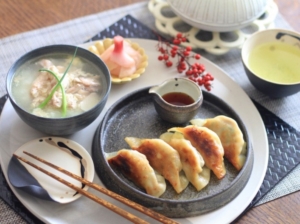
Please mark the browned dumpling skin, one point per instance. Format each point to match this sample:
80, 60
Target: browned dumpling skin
135, 166
208, 145
230, 135
191, 160
163, 158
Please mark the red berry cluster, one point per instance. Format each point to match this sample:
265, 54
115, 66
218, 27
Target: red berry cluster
195, 72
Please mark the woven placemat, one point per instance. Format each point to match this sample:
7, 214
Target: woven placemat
284, 140
284, 152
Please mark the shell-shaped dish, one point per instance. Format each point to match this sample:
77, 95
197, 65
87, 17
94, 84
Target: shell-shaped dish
98, 47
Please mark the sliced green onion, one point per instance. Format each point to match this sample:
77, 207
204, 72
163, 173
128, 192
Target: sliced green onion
64, 99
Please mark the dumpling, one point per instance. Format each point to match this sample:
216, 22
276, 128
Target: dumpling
136, 167
231, 137
163, 158
208, 145
191, 160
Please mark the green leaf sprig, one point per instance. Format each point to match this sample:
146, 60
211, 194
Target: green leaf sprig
58, 84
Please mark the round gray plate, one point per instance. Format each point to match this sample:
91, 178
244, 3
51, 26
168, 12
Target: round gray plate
135, 116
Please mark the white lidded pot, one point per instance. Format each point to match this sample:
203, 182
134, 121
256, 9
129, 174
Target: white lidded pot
218, 15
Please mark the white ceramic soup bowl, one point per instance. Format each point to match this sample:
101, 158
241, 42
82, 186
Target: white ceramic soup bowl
271, 61
65, 124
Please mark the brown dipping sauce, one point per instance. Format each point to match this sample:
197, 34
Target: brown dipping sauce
178, 98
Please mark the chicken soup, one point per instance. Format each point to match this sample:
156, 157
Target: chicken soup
80, 90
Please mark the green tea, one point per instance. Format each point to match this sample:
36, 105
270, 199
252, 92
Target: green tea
276, 62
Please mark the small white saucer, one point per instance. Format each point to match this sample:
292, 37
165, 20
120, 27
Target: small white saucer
62, 152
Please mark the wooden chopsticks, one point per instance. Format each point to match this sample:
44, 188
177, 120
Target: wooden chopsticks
123, 213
